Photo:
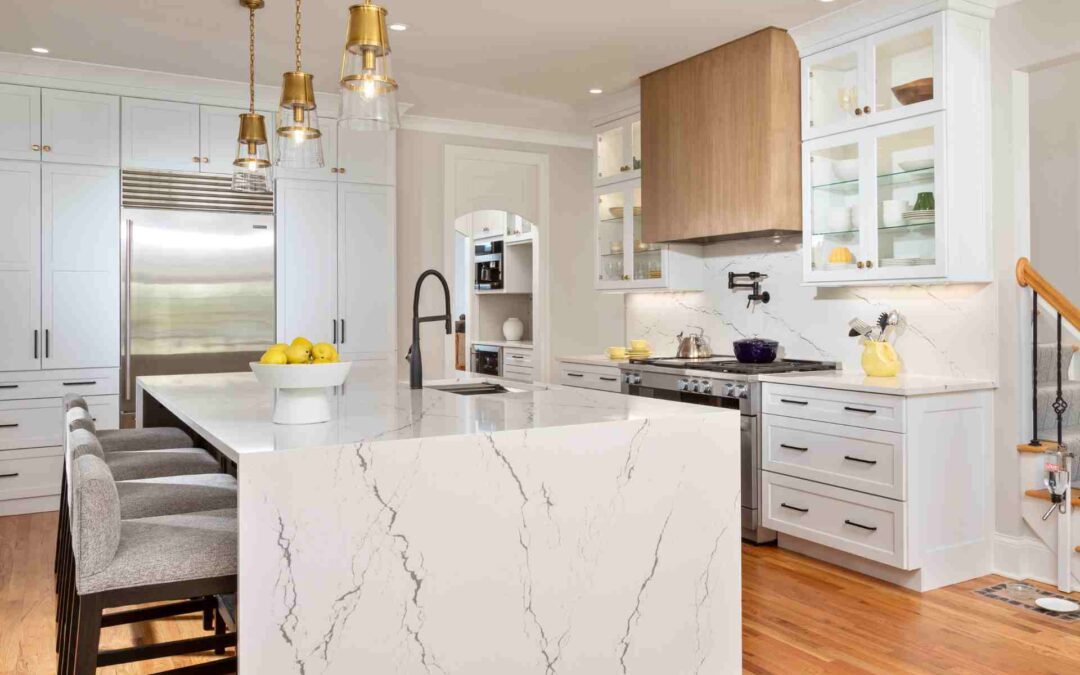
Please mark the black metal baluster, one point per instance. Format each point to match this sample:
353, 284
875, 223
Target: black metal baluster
1060, 404
1035, 369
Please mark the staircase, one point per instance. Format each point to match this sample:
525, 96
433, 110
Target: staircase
1056, 424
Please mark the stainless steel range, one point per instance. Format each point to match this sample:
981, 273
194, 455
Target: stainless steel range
723, 382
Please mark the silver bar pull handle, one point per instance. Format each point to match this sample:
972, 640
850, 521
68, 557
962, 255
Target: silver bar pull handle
127, 310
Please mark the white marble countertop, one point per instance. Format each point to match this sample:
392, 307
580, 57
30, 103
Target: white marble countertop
233, 411
517, 344
592, 360
901, 385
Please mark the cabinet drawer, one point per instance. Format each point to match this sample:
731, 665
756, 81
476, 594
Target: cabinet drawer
517, 357
853, 408
867, 460
50, 388
589, 378
863, 525
24, 477
30, 424
517, 373
105, 410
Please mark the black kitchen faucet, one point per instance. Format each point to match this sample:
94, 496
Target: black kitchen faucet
416, 368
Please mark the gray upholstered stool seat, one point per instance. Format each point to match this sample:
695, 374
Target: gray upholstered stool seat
165, 549
112, 440
171, 495
138, 464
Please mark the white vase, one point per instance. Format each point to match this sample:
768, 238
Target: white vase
513, 329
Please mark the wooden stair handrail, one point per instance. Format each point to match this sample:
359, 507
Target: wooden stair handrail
1027, 276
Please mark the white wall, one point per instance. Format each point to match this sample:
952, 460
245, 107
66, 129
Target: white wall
582, 320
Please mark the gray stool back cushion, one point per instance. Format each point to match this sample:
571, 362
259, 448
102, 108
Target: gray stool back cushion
79, 418
74, 401
84, 442
96, 515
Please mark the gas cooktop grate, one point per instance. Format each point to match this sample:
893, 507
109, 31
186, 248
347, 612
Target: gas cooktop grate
730, 365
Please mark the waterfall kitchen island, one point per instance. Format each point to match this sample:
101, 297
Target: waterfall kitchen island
539, 530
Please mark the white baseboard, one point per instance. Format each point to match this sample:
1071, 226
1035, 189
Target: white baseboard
1024, 558
17, 507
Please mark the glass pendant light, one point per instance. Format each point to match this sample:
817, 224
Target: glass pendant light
251, 172
299, 141
368, 90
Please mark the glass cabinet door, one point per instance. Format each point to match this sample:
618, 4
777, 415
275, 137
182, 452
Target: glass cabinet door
907, 69
647, 259
610, 235
609, 153
908, 198
833, 236
833, 84
618, 151
635, 145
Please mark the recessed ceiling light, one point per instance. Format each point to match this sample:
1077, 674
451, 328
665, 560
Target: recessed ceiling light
596, 91
39, 50
399, 26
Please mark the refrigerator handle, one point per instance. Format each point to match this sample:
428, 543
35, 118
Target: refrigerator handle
127, 310
334, 323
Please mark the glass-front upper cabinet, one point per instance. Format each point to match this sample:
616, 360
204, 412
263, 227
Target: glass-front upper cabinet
874, 203
887, 76
618, 151
623, 260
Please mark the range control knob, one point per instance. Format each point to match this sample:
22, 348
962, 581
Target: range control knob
706, 387
695, 386
739, 391
682, 385
636, 378
626, 378
727, 390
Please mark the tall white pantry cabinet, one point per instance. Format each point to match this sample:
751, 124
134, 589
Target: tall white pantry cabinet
59, 278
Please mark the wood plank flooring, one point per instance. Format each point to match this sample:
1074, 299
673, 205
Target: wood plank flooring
800, 616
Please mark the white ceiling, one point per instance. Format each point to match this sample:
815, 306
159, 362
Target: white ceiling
554, 50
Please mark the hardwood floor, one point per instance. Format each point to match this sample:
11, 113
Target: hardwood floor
800, 616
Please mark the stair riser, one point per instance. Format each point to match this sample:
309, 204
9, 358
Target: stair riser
1048, 360
1047, 416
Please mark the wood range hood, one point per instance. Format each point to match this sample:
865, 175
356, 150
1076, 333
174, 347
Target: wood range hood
721, 143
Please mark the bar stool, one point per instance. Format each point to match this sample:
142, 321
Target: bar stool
120, 562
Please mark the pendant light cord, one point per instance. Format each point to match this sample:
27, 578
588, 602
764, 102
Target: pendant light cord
297, 35
251, 59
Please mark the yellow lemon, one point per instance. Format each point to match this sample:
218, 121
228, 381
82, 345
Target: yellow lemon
298, 354
275, 357
302, 342
279, 347
324, 353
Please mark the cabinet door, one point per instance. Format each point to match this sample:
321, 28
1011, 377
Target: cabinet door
906, 76
307, 259
20, 122
837, 180
611, 256
366, 270
217, 138
328, 127
20, 265
80, 128
617, 154
834, 90
80, 233
366, 156
160, 135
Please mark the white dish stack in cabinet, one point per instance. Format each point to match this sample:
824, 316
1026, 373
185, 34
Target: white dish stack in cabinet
892, 119
336, 251
897, 487
624, 262
59, 279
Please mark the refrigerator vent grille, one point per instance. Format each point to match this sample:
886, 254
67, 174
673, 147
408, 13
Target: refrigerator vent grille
190, 192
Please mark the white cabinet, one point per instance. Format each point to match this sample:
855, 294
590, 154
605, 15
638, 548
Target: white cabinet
80, 128
367, 273
336, 265
487, 223
895, 181
886, 76
80, 254
20, 265
590, 375
623, 261
617, 151
160, 135
20, 122
366, 156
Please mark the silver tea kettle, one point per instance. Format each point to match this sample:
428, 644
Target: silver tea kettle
693, 346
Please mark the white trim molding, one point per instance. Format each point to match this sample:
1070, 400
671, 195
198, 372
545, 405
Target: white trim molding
438, 125
1024, 558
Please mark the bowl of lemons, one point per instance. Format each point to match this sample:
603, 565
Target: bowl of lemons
302, 375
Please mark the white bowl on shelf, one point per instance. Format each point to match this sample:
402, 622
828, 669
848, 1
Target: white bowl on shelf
846, 169
916, 164
302, 391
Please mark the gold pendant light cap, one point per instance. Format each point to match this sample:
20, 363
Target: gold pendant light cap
252, 129
252, 4
367, 30
297, 90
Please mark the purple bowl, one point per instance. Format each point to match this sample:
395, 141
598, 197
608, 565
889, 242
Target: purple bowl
755, 350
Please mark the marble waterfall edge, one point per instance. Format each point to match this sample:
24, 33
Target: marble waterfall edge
609, 547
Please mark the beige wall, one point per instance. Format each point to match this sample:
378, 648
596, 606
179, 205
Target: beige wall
582, 320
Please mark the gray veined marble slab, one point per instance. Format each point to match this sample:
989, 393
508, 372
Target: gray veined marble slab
561, 531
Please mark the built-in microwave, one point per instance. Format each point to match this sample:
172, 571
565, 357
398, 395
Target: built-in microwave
487, 360
488, 259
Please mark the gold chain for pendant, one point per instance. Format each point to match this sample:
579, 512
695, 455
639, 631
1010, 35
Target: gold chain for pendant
251, 59
297, 35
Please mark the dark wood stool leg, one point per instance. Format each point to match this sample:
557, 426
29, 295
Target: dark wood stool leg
209, 605
88, 635
60, 527
219, 629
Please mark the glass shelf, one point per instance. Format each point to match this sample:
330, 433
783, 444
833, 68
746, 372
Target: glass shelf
905, 227
843, 186
902, 177
838, 232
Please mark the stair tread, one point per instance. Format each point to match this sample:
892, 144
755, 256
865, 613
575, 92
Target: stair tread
1045, 496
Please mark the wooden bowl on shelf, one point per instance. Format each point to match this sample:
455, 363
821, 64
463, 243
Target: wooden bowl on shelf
915, 91
617, 211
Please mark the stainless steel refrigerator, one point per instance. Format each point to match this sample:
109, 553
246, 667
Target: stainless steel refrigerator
197, 277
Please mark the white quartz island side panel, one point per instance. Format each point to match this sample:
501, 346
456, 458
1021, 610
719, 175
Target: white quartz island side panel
548, 530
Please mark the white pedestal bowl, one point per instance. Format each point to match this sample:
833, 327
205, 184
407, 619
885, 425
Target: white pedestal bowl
302, 390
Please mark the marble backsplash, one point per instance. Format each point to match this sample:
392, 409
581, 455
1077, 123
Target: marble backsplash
946, 329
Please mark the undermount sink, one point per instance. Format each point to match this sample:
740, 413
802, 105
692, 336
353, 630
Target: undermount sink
472, 388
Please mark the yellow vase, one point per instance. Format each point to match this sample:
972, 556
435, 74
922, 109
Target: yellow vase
879, 359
